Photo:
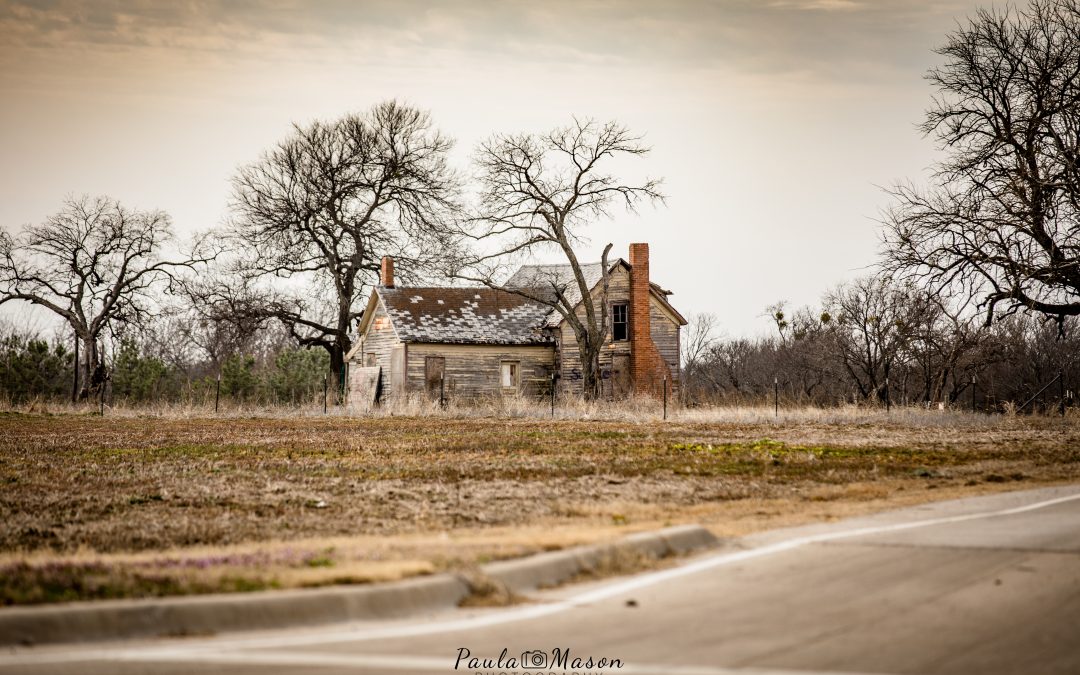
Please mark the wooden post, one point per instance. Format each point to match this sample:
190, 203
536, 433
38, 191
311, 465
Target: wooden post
1061, 391
75, 379
888, 397
553, 395
442, 387
665, 397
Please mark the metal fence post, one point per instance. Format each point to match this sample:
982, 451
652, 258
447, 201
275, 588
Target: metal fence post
972, 393
776, 396
442, 389
217, 393
325, 385
103, 382
888, 400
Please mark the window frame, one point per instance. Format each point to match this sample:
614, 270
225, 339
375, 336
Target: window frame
515, 374
625, 323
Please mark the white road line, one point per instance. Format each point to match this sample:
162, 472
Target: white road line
215, 647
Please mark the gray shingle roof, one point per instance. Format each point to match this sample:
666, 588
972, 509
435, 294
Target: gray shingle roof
464, 316
544, 278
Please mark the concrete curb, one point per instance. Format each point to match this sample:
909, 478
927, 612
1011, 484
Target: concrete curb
550, 569
195, 615
206, 614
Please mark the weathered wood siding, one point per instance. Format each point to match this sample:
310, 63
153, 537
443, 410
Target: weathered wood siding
363, 386
380, 339
570, 371
665, 335
474, 370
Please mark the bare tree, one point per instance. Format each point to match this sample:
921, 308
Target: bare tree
948, 348
221, 316
538, 191
322, 207
700, 338
1003, 220
697, 352
874, 321
95, 264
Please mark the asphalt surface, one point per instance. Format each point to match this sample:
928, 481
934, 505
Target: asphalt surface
984, 585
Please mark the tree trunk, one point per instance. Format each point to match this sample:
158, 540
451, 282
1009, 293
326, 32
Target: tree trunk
592, 380
337, 365
92, 375
591, 336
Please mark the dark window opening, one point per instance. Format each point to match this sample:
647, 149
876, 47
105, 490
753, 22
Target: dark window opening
618, 322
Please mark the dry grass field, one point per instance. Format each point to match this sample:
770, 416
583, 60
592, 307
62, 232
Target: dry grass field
135, 505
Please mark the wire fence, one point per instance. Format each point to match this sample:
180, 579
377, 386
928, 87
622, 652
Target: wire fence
209, 400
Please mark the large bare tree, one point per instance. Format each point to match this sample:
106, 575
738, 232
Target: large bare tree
1003, 218
323, 206
539, 191
95, 264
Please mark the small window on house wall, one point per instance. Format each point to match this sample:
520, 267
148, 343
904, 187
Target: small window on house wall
369, 359
510, 375
618, 322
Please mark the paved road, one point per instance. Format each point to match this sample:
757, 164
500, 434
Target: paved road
985, 585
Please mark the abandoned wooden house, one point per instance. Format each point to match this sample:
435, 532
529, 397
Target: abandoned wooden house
478, 341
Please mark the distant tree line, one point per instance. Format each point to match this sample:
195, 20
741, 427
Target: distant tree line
272, 370
880, 342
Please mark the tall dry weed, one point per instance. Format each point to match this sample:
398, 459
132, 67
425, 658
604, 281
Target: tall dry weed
632, 410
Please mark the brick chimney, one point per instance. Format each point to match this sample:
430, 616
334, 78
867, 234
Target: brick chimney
386, 275
647, 367
639, 314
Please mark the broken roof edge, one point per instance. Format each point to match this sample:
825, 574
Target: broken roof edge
494, 342
661, 297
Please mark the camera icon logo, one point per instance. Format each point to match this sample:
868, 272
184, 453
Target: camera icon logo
535, 659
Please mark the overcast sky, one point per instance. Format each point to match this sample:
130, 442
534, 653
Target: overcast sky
773, 123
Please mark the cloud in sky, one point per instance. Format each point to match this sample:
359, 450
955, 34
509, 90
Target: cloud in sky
773, 122
771, 35
822, 5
